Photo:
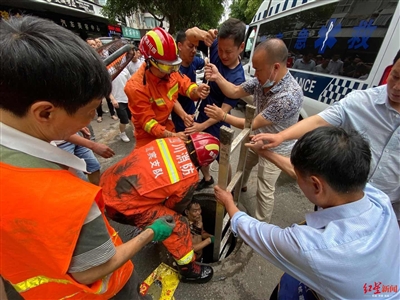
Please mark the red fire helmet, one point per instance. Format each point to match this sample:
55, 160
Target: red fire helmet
206, 147
160, 47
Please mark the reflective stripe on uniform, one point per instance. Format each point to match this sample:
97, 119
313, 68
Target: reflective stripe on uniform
172, 91
33, 282
159, 101
189, 90
104, 284
149, 125
186, 259
169, 162
70, 296
157, 40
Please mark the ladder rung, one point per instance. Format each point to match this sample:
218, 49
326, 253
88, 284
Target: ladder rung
242, 135
234, 181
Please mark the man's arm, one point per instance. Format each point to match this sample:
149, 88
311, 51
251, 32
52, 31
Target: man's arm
124, 252
100, 149
202, 244
200, 127
194, 35
159, 230
282, 162
215, 112
3, 295
293, 132
279, 246
229, 89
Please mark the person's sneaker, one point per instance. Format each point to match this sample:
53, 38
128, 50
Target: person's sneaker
195, 273
124, 137
203, 184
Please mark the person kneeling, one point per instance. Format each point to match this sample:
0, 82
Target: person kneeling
159, 179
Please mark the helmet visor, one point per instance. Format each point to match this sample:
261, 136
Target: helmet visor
166, 68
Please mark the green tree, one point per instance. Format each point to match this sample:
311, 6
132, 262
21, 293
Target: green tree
244, 10
181, 14
238, 8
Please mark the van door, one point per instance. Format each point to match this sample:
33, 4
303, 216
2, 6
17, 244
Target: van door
248, 50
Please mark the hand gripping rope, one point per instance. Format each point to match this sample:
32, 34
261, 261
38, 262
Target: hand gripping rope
196, 113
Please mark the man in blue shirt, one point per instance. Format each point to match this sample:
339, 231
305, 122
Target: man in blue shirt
225, 55
347, 250
190, 63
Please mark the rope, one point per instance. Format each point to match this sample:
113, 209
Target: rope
196, 113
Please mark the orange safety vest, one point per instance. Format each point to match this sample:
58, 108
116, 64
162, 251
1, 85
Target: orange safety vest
42, 214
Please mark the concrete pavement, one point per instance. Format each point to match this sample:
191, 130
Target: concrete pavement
244, 274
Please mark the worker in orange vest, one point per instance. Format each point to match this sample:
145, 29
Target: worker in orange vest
153, 90
55, 241
159, 179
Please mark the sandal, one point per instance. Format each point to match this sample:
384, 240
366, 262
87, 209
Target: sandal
114, 117
99, 119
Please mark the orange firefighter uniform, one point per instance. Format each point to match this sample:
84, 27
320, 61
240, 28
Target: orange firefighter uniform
155, 180
152, 103
39, 231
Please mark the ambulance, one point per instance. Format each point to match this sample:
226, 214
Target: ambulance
339, 45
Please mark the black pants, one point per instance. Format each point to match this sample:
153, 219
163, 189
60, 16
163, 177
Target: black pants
110, 108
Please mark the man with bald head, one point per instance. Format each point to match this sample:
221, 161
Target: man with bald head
278, 99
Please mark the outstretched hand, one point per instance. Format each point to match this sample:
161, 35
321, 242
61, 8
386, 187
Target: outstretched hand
183, 136
214, 112
224, 197
162, 227
196, 127
273, 140
103, 150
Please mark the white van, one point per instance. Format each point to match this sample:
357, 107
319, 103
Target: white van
352, 44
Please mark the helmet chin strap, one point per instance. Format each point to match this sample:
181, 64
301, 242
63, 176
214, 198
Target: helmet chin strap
147, 68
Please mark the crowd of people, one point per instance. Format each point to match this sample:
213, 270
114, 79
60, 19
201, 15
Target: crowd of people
352, 67
349, 172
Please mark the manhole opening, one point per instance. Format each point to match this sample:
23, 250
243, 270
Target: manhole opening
208, 208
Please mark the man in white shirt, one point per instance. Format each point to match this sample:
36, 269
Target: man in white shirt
335, 65
347, 250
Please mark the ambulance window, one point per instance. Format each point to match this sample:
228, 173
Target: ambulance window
342, 38
251, 33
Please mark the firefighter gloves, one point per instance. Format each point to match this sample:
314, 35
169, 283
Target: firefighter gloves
162, 228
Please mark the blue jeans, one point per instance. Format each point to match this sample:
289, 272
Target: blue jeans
92, 164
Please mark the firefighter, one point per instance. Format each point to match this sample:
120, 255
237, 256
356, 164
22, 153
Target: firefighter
156, 180
153, 90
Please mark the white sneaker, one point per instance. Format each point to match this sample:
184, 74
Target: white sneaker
124, 137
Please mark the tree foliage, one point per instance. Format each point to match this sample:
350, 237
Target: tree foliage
181, 14
244, 10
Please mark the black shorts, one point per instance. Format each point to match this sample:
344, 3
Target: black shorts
123, 113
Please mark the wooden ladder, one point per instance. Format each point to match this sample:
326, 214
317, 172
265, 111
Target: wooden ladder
222, 230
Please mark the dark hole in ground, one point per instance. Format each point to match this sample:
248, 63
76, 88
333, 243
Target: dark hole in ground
208, 208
